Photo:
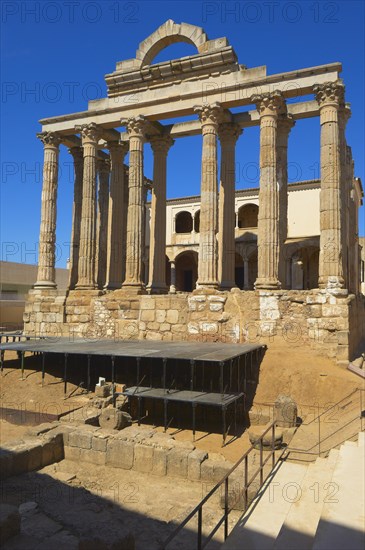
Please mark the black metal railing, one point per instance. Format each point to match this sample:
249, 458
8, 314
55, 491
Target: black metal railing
273, 454
358, 415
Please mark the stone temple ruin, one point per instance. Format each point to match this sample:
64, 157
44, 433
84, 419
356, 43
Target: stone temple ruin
113, 291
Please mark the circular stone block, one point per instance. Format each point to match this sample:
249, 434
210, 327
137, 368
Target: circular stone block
113, 419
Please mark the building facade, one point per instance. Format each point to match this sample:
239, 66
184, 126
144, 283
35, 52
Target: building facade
216, 254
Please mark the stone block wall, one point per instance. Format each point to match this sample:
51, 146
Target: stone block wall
332, 324
37, 449
134, 448
139, 449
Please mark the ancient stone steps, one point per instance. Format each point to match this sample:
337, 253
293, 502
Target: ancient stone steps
318, 507
342, 519
302, 520
258, 528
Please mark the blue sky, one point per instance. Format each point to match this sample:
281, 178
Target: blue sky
54, 56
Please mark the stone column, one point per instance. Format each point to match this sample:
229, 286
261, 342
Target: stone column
78, 158
157, 253
284, 125
353, 254
90, 136
173, 277
269, 106
125, 218
330, 97
103, 167
136, 128
344, 114
210, 116
116, 216
228, 135
46, 277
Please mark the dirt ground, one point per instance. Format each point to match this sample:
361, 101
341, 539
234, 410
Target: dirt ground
313, 381
100, 503
107, 504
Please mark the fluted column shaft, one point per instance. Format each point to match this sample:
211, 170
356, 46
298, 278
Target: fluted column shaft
331, 258
46, 277
136, 207
284, 125
210, 116
103, 167
344, 114
269, 106
353, 239
86, 280
228, 135
157, 252
78, 159
116, 216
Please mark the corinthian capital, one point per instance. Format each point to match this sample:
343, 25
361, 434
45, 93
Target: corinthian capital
229, 132
209, 113
136, 126
285, 123
89, 132
49, 139
270, 103
161, 144
330, 93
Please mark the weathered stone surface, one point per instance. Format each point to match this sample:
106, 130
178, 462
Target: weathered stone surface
143, 458
159, 466
120, 454
93, 457
177, 462
195, 460
80, 439
285, 412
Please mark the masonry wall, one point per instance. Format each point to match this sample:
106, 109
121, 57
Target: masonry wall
333, 325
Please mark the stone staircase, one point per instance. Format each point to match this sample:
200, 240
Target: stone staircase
320, 506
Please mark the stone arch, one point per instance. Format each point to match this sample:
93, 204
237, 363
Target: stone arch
197, 221
183, 222
186, 270
248, 215
169, 33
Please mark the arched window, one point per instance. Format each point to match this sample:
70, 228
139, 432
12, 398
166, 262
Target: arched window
183, 222
248, 215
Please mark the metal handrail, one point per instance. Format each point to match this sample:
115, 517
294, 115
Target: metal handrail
247, 482
318, 418
224, 480
272, 404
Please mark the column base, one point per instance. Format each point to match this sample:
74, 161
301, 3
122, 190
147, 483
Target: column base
86, 287
331, 282
45, 284
112, 286
267, 284
227, 285
207, 284
152, 289
134, 288
172, 289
